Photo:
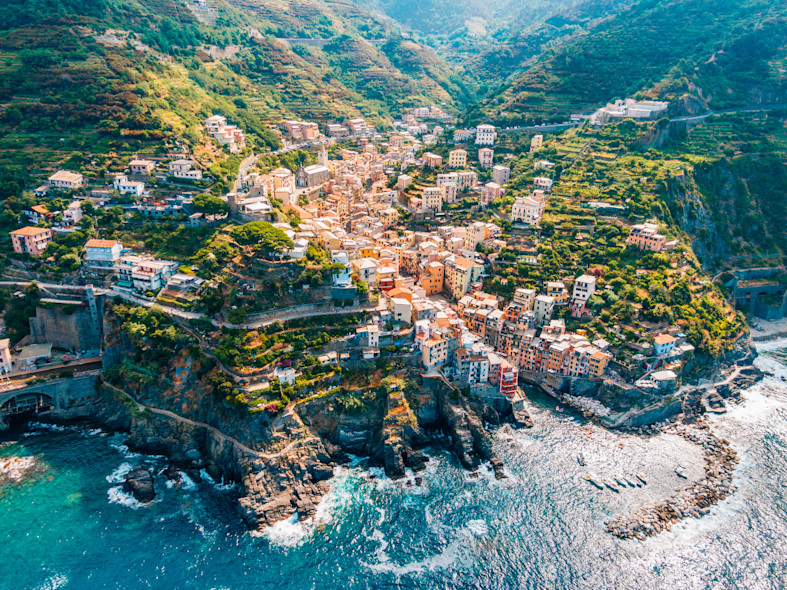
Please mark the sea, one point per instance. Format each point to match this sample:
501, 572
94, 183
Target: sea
65, 521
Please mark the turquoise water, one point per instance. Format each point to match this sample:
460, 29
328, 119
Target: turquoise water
64, 522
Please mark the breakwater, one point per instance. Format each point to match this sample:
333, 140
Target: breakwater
695, 500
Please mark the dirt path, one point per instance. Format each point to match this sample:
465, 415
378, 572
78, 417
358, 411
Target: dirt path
215, 431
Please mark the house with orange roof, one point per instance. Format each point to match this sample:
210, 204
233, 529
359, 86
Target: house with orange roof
31, 240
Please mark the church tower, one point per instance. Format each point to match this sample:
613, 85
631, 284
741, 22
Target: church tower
322, 157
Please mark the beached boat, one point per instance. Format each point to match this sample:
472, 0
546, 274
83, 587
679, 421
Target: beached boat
581, 459
595, 480
641, 478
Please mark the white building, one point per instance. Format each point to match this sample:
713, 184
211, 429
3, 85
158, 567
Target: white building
143, 273
285, 375
343, 277
368, 336
72, 214
230, 136
527, 210
543, 307
485, 135
401, 310
403, 181
544, 183
65, 179
102, 254
366, 269
628, 109
184, 169
125, 186
584, 287
5, 356
312, 176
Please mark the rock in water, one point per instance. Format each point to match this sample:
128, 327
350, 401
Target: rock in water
139, 482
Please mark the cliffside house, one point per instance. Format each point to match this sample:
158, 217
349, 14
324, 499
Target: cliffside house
31, 240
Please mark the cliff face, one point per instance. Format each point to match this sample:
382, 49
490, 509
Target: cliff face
284, 463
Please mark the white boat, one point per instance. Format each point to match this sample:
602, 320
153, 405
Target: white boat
642, 478
595, 480
621, 482
612, 485
680, 470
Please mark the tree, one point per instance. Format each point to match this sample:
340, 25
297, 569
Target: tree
88, 208
210, 205
237, 316
267, 238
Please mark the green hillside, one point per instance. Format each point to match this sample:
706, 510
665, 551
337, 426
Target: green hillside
105, 76
724, 52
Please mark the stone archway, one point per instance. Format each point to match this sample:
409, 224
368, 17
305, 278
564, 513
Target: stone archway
26, 402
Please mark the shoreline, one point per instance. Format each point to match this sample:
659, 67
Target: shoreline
258, 510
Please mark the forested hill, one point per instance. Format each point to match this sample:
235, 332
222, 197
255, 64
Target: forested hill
722, 52
159, 66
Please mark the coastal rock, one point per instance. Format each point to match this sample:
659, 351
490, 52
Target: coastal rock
321, 472
171, 473
415, 461
520, 418
139, 483
392, 459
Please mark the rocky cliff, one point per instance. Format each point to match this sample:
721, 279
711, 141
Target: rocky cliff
283, 464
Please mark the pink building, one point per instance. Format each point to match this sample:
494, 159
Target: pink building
485, 157
490, 192
31, 240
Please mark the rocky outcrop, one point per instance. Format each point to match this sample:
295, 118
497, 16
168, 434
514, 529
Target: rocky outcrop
293, 482
353, 433
284, 465
139, 483
470, 440
746, 377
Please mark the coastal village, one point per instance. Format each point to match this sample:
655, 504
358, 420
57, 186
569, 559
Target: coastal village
396, 240
429, 283
405, 293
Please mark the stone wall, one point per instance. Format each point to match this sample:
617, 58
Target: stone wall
75, 330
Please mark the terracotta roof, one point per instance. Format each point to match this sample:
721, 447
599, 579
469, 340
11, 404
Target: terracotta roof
663, 339
464, 263
29, 231
95, 243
